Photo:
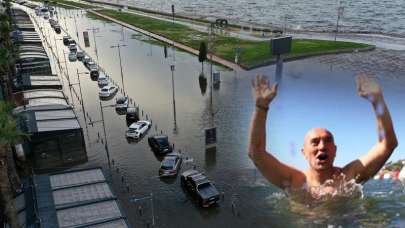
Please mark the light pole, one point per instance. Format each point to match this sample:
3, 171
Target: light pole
119, 55
94, 30
68, 78
105, 134
172, 69
340, 14
150, 197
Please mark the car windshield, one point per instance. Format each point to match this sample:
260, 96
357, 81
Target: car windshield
163, 142
121, 101
168, 163
204, 185
104, 89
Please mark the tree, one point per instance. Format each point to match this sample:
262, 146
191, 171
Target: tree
202, 55
9, 134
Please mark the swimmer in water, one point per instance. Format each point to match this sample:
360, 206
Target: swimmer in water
319, 149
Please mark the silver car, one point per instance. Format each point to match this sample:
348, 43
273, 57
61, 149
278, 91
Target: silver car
170, 165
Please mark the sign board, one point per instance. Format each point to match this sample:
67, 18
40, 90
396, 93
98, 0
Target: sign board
210, 137
281, 45
86, 39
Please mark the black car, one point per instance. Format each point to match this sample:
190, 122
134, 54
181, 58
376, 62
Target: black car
66, 40
132, 114
200, 187
160, 144
57, 29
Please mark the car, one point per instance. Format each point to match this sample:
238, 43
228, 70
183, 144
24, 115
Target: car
102, 80
160, 144
46, 16
80, 55
72, 48
57, 29
122, 103
66, 40
132, 115
91, 64
86, 60
53, 22
138, 129
72, 41
200, 187
72, 56
170, 165
108, 91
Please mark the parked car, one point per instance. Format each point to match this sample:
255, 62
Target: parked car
57, 29
72, 56
72, 48
160, 144
66, 40
138, 129
72, 41
170, 165
80, 55
122, 103
102, 80
86, 60
200, 187
53, 22
91, 64
108, 91
132, 115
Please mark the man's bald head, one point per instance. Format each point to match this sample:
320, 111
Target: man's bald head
317, 131
319, 148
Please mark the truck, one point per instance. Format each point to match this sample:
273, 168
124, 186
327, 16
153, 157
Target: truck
198, 185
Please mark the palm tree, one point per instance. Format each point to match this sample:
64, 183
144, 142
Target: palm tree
9, 135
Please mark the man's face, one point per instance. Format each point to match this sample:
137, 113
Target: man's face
319, 149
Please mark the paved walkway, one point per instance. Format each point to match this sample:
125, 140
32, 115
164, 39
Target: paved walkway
215, 58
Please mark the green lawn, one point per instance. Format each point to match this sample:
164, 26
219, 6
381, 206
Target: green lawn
252, 52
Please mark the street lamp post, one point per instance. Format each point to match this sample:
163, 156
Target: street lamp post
119, 55
150, 197
172, 68
340, 14
105, 134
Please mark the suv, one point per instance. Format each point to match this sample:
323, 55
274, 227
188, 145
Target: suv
160, 144
132, 115
200, 187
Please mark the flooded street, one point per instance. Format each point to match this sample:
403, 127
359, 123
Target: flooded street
313, 92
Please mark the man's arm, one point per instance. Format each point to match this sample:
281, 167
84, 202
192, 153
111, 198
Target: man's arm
275, 171
368, 165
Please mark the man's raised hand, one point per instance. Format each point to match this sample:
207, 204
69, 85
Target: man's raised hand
264, 92
368, 88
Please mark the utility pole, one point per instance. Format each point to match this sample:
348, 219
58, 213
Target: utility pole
211, 40
119, 55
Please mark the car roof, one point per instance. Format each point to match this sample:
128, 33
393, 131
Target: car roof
122, 98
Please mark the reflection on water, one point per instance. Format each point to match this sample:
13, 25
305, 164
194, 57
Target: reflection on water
313, 92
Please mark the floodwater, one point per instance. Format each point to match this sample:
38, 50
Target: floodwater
313, 92
375, 16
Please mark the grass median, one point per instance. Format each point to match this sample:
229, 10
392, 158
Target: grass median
252, 53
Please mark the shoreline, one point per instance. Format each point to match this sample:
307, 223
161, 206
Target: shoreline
255, 51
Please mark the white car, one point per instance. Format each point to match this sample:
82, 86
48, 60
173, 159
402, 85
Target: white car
122, 103
102, 80
108, 91
138, 129
72, 56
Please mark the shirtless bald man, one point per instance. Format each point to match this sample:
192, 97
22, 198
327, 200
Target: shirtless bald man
319, 148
